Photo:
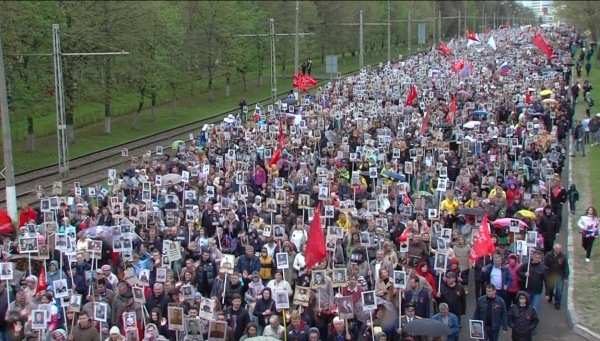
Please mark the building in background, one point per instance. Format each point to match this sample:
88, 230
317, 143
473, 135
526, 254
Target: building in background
544, 10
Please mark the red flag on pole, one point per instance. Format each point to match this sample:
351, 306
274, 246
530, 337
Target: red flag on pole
424, 124
412, 95
482, 245
315, 245
298, 84
308, 80
540, 43
444, 49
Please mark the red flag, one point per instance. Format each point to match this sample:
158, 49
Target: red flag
444, 49
471, 67
315, 245
457, 66
297, 83
540, 43
483, 245
275, 157
412, 95
41, 284
307, 80
471, 36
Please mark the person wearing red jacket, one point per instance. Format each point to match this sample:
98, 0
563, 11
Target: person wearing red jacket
423, 271
27, 213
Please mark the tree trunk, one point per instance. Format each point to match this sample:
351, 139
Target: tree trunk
260, 79
211, 90
244, 81
30, 135
343, 59
227, 86
107, 96
153, 110
174, 87
191, 94
136, 116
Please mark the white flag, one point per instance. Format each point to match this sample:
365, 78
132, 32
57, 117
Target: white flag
492, 43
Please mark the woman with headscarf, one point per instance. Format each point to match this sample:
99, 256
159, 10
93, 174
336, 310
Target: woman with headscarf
264, 308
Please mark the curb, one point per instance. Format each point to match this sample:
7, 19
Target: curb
572, 316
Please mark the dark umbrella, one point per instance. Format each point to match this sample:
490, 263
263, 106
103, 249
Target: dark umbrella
470, 211
445, 125
289, 100
427, 327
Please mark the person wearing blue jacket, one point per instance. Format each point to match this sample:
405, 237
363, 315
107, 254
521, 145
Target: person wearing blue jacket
54, 273
418, 297
491, 309
449, 319
247, 264
497, 275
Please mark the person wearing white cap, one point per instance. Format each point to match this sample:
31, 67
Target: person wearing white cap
59, 335
115, 335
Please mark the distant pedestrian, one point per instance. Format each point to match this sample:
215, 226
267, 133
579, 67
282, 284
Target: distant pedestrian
588, 227
522, 318
588, 68
573, 197
558, 272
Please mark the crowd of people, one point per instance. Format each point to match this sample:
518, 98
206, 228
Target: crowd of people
403, 166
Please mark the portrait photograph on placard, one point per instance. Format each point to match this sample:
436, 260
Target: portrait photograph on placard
476, 330
175, 318
39, 319
339, 277
100, 311
282, 261
227, 263
399, 279
194, 328
369, 300
207, 307
301, 296
282, 299
345, 307
75, 303
217, 331
318, 279
138, 294
6, 271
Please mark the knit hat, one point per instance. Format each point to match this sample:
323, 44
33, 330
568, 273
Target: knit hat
61, 332
106, 268
114, 330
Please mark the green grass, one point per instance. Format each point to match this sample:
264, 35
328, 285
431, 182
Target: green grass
587, 279
90, 137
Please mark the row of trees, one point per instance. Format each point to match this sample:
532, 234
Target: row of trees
177, 45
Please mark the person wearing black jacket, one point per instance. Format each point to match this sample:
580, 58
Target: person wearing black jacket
264, 309
548, 226
237, 317
158, 299
206, 272
522, 318
453, 294
533, 276
558, 273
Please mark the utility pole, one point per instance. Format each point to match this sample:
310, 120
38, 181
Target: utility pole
61, 121
361, 60
458, 36
297, 40
8, 171
272, 37
61, 127
273, 59
389, 32
439, 26
409, 40
433, 23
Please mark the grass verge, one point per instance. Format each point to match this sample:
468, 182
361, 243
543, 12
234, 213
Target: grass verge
586, 293
91, 138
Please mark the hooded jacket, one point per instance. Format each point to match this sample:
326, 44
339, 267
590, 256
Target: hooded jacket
428, 276
52, 276
88, 332
522, 319
263, 305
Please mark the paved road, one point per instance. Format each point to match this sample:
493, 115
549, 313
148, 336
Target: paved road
554, 325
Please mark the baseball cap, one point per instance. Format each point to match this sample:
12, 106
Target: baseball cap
255, 274
450, 274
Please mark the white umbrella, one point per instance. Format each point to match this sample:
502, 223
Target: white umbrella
471, 124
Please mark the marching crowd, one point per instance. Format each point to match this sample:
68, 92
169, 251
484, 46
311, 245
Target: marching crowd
404, 166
